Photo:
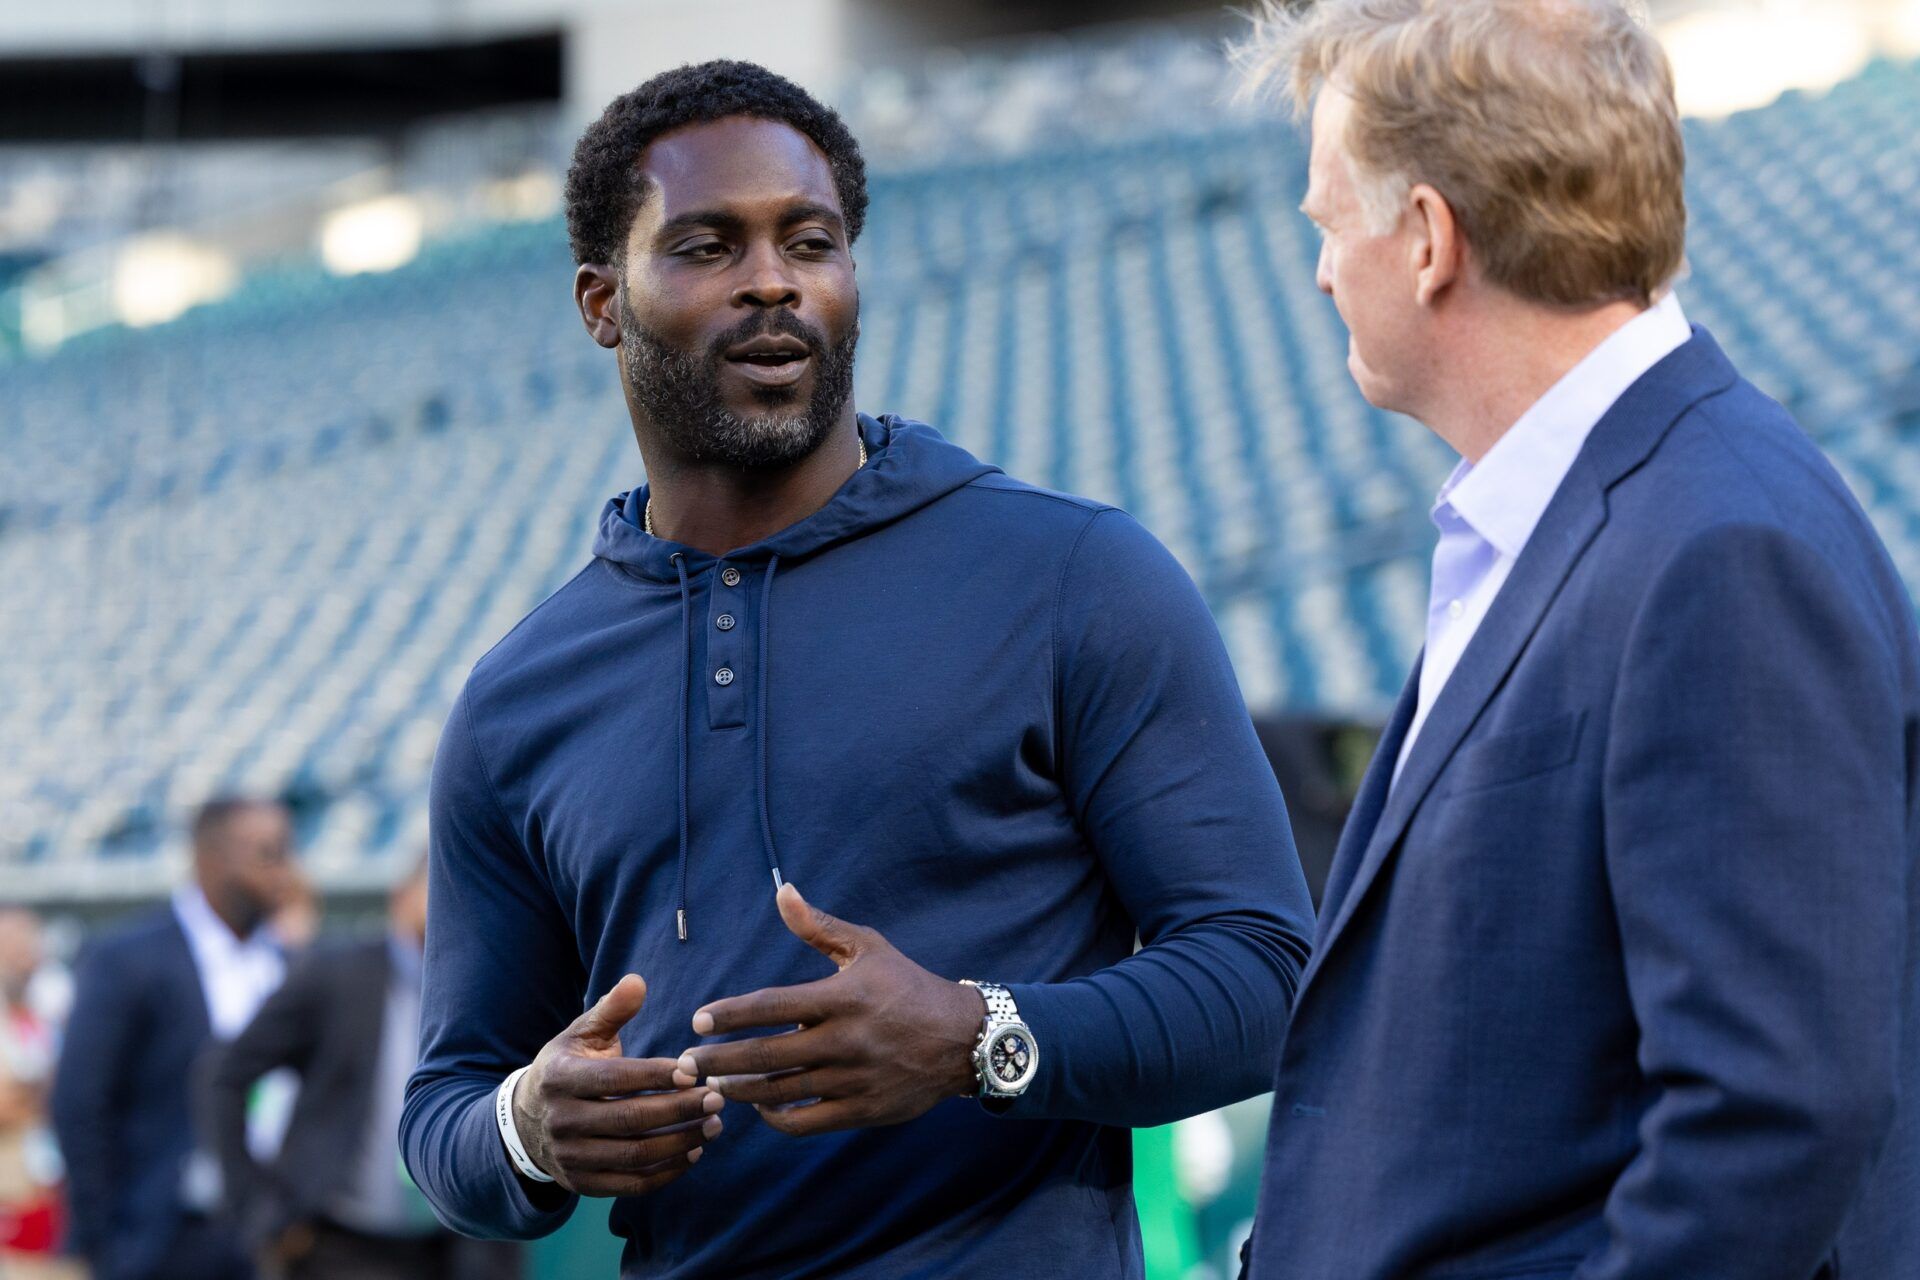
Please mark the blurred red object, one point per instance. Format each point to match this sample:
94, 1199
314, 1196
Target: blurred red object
33, 1226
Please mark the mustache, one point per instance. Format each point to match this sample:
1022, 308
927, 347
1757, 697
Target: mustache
779, 322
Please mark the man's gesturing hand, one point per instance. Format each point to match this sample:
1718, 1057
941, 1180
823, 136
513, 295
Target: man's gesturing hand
607, 1125
879, 1042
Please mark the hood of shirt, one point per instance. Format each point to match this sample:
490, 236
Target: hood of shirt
908, 466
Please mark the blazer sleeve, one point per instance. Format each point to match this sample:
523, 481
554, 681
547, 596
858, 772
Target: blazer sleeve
1178, 803
1754, 799
285, 1032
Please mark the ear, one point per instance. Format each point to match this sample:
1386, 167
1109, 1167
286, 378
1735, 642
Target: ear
596, 291
1439, 251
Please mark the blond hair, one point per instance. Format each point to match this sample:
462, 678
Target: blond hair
1548, 125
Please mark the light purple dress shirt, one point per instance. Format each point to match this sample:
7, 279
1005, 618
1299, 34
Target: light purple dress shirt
1487, 512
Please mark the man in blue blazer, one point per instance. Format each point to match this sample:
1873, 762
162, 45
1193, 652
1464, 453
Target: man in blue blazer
1615, 971
149, 997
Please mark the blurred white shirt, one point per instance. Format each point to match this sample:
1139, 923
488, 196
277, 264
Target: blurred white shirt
1486, 513
236, 977
236, 974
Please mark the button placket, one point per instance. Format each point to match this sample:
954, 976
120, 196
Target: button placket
727, 656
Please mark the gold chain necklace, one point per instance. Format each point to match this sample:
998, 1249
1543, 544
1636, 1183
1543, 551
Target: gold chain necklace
646, 517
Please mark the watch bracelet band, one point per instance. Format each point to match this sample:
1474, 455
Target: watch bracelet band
1000, 1005
1001, 1009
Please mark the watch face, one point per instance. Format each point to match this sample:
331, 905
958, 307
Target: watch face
1010, 1058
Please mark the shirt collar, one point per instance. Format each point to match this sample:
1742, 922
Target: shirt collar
1506, 493
206, 929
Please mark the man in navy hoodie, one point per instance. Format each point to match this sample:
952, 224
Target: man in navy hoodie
992, 724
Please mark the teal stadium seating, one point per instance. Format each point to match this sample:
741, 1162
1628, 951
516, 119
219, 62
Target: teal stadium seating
260, 547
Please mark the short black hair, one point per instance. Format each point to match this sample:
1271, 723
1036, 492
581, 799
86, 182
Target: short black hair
211, 818
604, 188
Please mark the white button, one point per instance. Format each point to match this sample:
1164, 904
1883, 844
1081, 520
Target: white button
1455, 610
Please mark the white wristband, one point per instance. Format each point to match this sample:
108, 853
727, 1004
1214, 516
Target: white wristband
510, 1133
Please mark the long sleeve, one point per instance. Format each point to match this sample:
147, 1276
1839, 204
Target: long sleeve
1754, 809
1168, 782
284, 1033
90, 1089
502, 977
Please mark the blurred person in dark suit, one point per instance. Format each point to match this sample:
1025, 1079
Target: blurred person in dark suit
337, 1204
1318, 764
1615, 972
149, 996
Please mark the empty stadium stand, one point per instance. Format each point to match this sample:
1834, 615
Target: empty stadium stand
260, 547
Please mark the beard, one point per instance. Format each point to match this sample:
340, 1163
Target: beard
242, 909
680, 392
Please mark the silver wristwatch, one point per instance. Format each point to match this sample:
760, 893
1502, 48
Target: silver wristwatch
1006, 1056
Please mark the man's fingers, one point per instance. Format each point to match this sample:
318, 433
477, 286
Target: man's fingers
808, 1003
832, 937
632, 1117
762, 1055
788, 1086
599, 1027
639, 1182
632, 1155
573, 1076
817, 1117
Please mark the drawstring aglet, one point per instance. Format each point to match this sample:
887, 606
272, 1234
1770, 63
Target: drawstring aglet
683, 924
777, 881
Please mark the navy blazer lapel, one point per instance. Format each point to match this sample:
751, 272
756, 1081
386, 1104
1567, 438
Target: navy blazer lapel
1357, 833
1619, 442
1571, 519
186, 975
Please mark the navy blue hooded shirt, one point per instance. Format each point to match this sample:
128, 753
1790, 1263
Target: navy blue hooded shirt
995, 723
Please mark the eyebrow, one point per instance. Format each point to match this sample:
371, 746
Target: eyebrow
807, 211
722, 220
